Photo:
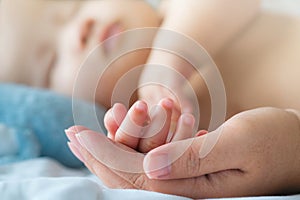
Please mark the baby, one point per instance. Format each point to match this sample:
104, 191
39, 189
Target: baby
258, 150
259, 68
47, 51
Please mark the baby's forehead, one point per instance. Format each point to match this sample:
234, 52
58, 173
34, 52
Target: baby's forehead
61, 10
38, 10
35, 17
26, 25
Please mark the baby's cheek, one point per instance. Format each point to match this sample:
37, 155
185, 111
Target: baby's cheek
62, 81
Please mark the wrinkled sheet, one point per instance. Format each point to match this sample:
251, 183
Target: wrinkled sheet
44, 178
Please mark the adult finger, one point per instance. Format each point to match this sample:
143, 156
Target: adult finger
105, 174
197, 157
106, 150
96, 149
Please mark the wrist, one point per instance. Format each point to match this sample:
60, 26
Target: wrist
173, 61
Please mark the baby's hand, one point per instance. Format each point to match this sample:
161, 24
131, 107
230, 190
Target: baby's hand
143, 130
257, 154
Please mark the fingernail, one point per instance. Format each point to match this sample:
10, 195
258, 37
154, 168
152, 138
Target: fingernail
157, 166
110, 136
188, 119
141, 106
201, 132
71, 135
168, 103
82, 141
75, 151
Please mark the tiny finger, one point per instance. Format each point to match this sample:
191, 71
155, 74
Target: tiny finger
185, 127
113, 118
129, 132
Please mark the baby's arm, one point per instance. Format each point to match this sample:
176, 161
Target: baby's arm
212, 23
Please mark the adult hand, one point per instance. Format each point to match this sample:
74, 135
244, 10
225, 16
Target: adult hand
257, 153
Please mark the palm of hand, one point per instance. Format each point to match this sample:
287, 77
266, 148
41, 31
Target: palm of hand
256, 154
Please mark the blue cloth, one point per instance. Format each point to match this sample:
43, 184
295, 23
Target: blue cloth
38, 119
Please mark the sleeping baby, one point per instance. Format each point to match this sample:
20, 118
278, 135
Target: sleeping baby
258, 150
46, 52
257, 147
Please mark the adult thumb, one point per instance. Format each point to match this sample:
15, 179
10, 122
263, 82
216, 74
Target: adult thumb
183, 159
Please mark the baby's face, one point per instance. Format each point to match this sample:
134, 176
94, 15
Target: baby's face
44, 43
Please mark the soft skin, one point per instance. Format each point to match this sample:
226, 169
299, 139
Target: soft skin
259, 68
212, 24
258, 150
48, 51
251, 158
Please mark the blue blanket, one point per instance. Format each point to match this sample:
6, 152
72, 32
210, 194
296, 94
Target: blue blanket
32, 123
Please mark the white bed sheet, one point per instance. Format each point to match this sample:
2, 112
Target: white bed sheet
45, 179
